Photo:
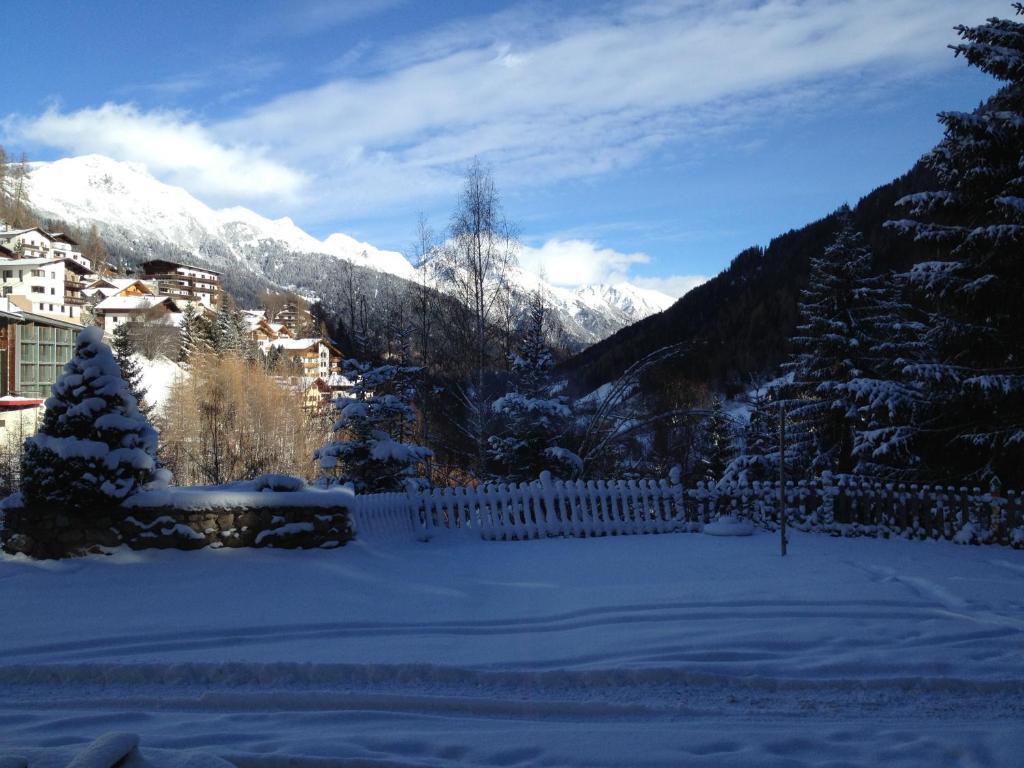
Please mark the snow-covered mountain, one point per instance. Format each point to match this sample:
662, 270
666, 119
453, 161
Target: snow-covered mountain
126, 202
132, 208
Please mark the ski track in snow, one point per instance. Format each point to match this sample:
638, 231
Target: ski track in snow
633, 651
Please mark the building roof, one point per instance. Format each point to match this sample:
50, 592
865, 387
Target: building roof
112, 286
64, 238
69, 263
10, 234
299, 345
135, 303
296, 345
6, 252
40, 262
157, 264
12, 308
76, 266
13, 401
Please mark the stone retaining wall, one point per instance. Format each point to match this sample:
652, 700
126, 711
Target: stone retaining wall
48, 534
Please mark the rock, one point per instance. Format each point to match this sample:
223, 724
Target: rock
19, 543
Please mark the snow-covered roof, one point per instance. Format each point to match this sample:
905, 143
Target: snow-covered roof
294, 344
113, 286
135, 303
13, 401
174, 265
12, 233
41, 262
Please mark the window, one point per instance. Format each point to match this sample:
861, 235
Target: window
53, 291
8, 274
38, 289
43, 350
38, 273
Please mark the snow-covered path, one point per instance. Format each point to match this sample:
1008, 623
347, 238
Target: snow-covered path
649, 650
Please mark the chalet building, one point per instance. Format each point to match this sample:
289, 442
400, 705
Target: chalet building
295, 316
317, 358
106, 287
318, 396
184, 283
261, 330
47, 285
145, 308
36, 243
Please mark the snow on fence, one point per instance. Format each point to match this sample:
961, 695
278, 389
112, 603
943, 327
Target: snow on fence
547, 507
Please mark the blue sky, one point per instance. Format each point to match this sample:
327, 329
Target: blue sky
651, 140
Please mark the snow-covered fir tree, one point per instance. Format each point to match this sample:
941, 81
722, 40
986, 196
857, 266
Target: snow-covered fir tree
887, 402
829, 345
193, 335
718, 446
229, 333
533, 416
94, 447
974, 221
126, 354
759, 458
375, 420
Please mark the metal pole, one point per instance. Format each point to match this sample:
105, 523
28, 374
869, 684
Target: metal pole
782, 474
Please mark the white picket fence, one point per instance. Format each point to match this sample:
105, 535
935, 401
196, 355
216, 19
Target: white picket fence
543, 508
547, 507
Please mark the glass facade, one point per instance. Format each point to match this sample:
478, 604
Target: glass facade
42, 352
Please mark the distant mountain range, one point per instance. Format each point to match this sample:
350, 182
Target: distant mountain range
136, 212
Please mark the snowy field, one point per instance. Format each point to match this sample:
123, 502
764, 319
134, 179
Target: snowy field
674, 650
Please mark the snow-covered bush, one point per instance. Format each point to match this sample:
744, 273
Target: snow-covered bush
94, 448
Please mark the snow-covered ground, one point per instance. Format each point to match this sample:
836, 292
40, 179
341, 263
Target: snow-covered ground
667, 650
158, 376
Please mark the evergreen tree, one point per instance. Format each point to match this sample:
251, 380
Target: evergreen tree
375, 417
831, 345
131, 372
94, 446
533, 415
229, 333
718, 442
887, 401
759, 459
973, 422
192, 334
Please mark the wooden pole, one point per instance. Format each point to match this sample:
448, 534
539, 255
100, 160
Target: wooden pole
782, 475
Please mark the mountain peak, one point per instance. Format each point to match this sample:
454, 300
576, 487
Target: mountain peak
135, 209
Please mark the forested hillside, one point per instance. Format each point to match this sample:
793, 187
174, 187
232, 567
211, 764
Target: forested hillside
737, 325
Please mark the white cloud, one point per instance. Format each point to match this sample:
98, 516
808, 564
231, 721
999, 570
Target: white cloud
171, 146
545, 98
539, 95
571, 263
673, 285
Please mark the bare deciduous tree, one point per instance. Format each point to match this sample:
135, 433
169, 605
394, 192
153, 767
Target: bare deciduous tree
480, 250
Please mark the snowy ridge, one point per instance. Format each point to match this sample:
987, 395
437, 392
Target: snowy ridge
131, 207
124, 197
